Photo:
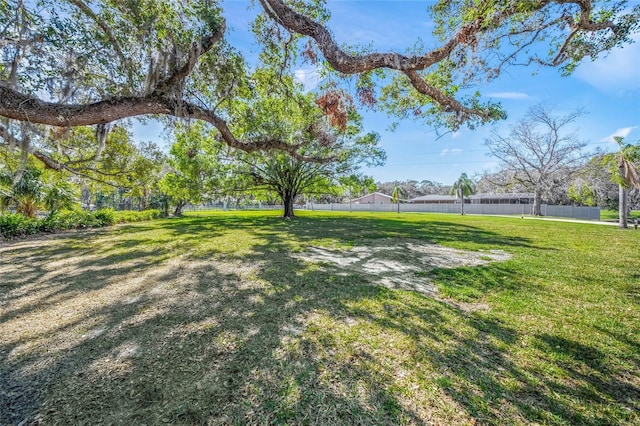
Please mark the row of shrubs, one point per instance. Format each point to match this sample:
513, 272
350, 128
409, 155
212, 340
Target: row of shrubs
17, 225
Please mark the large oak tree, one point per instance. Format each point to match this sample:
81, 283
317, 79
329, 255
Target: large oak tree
280, 112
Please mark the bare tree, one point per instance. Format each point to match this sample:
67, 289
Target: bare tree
537, 150
498, 182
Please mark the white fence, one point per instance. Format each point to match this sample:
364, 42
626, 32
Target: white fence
220, 206
589, 213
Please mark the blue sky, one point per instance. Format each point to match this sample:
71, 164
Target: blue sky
608, 89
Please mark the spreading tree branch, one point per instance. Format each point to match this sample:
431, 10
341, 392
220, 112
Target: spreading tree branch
165, 101
53, 164
347, 63
198, 48
18, 106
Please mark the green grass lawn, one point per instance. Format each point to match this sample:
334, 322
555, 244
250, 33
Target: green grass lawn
217, 319
612, 215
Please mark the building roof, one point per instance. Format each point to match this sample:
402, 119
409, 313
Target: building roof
373, 193
434, 198
503, 196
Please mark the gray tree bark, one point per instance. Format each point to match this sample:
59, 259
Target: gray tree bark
623, 209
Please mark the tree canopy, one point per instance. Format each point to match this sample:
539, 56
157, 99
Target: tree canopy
292, 117
193, 167
78, 62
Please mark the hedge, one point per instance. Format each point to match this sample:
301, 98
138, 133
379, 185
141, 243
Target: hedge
134, 216
17, 225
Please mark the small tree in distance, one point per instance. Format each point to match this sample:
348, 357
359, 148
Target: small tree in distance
327, 128
289, 177
463, 187
398, 192
356, 185
193, 167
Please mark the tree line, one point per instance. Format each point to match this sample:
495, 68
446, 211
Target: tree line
540, 155
73, 72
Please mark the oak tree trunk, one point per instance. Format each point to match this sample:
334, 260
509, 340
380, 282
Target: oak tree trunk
179, 207
287, 199
144, 200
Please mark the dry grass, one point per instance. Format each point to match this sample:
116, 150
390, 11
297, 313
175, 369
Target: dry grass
226, 319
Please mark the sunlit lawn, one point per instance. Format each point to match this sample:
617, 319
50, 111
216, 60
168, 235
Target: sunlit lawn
612, 215
215, 319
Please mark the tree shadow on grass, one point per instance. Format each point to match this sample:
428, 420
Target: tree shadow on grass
193, 344
479, 372
627, 339
597, 380
351, 229
263, 337
472, 283
59, 267
355, 228
491, 386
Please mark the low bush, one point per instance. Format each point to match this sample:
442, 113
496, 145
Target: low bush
17, 225
105, 217
69, 219
50, 223
135, 216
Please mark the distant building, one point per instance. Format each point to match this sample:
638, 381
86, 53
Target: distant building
373, 198
434, 199
514, 198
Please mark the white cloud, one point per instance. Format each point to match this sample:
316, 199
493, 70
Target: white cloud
620, 70
309, 77
623, 132
508, 95
452, 151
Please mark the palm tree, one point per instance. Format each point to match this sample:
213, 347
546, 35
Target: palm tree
624, 172
59, 196
26, 194
461, 188
398, 192
30, 192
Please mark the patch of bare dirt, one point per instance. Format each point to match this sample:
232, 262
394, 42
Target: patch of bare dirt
404, 266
